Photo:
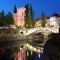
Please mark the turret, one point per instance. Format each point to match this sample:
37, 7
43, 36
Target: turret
15, 10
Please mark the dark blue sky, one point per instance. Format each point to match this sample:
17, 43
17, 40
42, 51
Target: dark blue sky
48, 6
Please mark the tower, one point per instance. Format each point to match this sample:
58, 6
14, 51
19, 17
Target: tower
19, 16
15, 10
15, 14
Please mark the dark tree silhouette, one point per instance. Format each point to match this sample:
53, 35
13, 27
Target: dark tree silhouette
43, 19
52, 48
29, 22
6, 19
32, 23
9, 18
2, 18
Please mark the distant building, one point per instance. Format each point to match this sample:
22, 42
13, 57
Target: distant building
38, 23
58, 21
54, 20
19, 16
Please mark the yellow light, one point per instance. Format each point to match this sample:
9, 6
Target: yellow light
38, 50
27, 45
31, 47
34, 49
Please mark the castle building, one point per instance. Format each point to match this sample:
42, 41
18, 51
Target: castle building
19, 16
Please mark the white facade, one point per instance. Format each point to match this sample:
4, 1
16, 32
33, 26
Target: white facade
53, 21
58, 20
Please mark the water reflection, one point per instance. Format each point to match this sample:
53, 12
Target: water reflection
10, 46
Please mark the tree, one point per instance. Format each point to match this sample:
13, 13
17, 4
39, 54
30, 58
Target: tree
29, 16
43, 19
9, 18
6, 19
2, 18
26, 17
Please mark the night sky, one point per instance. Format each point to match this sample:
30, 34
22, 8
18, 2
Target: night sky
48, 6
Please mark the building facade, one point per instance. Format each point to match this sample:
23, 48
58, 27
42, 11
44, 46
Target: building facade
38, 23
19, 16
53, 21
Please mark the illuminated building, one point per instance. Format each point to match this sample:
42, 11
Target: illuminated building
38, 23
53, 19
19, 15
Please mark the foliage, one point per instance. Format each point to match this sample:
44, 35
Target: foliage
29, 21
26, 17
43, 23
18, 27
6, 19
9, 18
32, 16
2, 17
43, 19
